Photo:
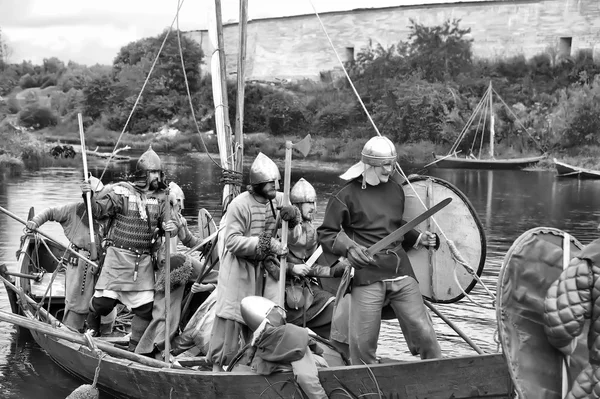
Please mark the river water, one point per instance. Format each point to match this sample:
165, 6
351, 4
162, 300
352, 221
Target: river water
507, 202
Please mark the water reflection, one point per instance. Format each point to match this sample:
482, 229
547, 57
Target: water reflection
508, 203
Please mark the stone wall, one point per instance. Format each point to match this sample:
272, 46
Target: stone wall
296, 47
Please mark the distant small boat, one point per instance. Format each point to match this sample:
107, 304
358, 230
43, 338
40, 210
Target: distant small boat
566, 170
474, 163
107, 155
485, 110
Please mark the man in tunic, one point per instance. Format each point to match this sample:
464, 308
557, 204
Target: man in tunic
307, 303
249, 246
368, 208
137, 212
79, 275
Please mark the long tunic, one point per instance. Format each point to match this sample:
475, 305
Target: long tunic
364, 216
245, 220
73, 218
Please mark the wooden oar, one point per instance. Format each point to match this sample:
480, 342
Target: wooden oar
54, 240
43, 328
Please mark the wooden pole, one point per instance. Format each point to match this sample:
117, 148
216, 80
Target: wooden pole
88, 195
241, 86
54, 240
455, 328
287, 177
567, 359
167, 283
222, 62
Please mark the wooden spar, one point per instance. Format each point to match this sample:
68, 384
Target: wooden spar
492, 134
54, 240
566, 360
287, 176
219, 86
167, 282
241, 88
88, 195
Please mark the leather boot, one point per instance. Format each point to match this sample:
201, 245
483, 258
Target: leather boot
138, 327
93, 323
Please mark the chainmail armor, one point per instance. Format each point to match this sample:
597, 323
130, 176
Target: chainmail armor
129, 231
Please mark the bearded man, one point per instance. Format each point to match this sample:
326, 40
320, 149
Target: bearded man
307, 303
137, 212
367, 209
247, 257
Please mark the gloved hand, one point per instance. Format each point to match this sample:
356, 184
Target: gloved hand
271, 265
277, 248
359, 257
289, 213
31, 225
337, 270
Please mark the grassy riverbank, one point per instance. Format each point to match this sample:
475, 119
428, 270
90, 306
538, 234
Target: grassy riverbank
30, 150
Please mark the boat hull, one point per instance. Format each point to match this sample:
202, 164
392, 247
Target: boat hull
566, 170
466, 163
465, 377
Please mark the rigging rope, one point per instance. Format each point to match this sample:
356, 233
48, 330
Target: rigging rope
228, 176
137, 100
397, 165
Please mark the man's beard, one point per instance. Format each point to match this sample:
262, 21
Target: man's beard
153, 185
266, 194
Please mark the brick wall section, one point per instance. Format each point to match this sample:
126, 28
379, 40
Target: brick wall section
296, 47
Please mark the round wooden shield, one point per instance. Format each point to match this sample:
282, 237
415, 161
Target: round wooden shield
206, 227
531, 265
440, 276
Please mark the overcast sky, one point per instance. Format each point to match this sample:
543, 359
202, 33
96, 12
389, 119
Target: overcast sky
93, 31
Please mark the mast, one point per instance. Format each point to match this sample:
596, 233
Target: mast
219, 87
492, 133
241, 64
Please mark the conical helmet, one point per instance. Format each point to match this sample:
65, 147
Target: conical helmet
263, 170
255, 309
96, 184
176, 192
302, 191
148, 161
378, 151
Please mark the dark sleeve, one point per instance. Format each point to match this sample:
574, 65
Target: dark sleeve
331, 234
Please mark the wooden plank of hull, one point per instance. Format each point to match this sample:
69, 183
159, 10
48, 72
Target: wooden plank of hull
466, 163
566, 170
483, 376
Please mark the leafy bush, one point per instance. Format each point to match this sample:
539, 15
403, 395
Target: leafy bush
37, 117
284, 113
28, 81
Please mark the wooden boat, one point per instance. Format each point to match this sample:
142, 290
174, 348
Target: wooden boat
485, 109
566, 170
473, 163
113, 156
465, 377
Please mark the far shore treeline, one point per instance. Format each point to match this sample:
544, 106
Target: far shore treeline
419, 92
